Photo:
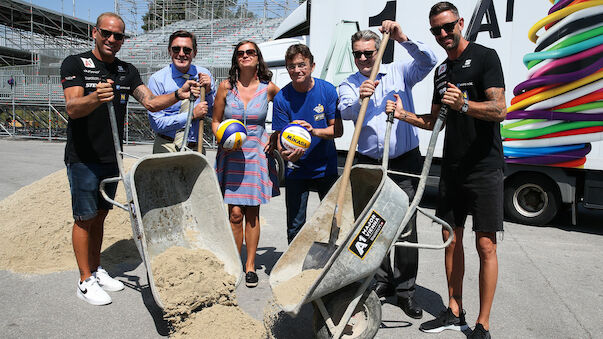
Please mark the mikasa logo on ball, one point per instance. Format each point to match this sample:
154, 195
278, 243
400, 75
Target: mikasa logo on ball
295, 136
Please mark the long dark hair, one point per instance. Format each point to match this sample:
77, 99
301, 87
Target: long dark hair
264, 74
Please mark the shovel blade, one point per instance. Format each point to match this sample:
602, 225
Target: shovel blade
318, 255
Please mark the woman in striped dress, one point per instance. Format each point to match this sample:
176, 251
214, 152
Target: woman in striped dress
247, 176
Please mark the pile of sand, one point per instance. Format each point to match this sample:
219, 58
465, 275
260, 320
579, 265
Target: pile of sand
198, 296
36, 223
221, 322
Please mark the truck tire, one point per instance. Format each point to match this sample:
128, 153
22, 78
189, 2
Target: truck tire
531, 199
365, 320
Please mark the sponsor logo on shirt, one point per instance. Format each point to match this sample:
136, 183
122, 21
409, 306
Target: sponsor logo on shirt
88, 62
120, 68
91, 71
118, 87
319, 108
91, 78
122, 99
441, 69
71, 77
318, 117
467, 63
91, 85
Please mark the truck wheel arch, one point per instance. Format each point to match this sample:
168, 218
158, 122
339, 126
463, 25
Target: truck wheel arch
531, 198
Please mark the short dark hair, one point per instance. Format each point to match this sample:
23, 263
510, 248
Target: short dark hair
183, 34
443, 6
264, 74
296, 49
110, 14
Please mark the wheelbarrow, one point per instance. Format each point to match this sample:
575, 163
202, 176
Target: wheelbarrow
375, 215
174, 199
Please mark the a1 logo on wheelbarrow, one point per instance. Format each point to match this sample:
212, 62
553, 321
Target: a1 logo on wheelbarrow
367, 235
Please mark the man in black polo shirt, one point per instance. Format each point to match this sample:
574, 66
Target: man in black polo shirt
89, 152
470, 82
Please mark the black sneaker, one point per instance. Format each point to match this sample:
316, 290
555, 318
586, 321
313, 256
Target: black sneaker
479, 332
251, 279
445, 321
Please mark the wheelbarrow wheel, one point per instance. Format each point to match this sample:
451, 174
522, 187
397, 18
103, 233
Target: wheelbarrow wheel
365, 320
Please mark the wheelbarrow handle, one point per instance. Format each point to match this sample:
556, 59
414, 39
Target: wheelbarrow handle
106, 197
428, 246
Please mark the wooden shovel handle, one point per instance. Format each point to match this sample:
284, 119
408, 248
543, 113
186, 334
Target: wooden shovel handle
345, 177
200, 136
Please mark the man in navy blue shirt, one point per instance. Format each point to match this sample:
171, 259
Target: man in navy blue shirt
312, 103
169, 122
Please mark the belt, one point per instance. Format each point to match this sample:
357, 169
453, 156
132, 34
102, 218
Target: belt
190, 144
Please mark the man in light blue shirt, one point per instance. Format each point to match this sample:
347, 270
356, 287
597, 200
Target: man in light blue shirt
167, 123
395, 78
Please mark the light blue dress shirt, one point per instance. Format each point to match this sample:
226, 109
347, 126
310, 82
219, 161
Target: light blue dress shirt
168, 121
395, 78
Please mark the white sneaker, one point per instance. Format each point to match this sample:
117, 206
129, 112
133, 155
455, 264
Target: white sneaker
106, 282
92, 293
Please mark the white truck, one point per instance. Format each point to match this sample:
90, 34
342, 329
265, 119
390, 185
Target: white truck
533, 193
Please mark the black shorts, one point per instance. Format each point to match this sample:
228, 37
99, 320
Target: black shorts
478, 192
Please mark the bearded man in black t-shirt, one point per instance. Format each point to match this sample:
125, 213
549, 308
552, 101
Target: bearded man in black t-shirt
89, 153
470, 84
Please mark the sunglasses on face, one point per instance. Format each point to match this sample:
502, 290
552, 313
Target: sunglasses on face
449, 27
367, 54
107, 34
176, 49
249, 52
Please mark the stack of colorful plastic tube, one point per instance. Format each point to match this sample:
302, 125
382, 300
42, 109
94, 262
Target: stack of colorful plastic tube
558, 111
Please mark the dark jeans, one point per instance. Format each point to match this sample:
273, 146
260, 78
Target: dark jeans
296, 198
406, 259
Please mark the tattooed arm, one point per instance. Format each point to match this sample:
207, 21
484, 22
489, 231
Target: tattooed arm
156, 103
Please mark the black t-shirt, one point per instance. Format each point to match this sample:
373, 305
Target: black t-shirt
89, 139
471, 143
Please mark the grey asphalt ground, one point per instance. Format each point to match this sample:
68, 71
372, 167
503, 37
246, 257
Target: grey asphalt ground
550, 278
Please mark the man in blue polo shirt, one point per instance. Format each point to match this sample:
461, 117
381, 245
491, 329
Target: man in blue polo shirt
312, 103
168, 123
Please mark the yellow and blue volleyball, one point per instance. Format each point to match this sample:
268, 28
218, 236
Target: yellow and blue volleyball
231, 134
295, 136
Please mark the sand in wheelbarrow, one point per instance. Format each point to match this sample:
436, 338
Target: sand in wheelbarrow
293, 291
36, 223
199, 296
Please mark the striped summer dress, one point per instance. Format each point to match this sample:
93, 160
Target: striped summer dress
247, 176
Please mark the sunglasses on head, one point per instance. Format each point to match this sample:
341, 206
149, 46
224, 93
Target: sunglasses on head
176, 49
249, 52
367, 54
107, 34
449, 27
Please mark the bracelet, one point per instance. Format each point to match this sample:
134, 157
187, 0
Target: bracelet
176, 95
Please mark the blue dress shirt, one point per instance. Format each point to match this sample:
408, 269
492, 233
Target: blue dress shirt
395, 78
168, 121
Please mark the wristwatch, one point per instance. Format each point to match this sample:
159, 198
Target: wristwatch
465, 106
176, 95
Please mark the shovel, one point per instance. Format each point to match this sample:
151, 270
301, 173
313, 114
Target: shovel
189, 119
200, 136
320, 252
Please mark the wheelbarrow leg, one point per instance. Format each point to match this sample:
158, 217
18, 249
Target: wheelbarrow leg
337, 330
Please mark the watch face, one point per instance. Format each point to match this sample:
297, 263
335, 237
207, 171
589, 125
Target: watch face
464, 108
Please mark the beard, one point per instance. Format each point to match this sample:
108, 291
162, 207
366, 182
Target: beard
456, 38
